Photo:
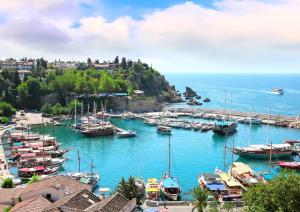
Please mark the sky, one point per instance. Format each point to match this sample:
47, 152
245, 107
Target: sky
201, 36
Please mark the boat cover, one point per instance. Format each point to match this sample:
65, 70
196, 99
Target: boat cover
229, 181
241, 168
170, 182
216, 186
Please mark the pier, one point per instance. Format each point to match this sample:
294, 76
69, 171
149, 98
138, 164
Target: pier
217, 114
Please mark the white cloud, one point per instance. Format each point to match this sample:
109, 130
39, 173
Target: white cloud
248, 35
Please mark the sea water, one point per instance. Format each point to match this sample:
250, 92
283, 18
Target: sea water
192, 152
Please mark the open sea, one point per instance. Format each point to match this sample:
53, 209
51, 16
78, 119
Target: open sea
192, 152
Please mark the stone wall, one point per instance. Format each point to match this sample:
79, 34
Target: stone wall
121, 104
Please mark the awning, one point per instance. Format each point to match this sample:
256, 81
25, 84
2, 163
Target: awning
215, 187
28, 155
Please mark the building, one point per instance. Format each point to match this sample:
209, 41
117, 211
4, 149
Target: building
114, 203
23, 73
63, 65
53, 188
62, 193
17, 65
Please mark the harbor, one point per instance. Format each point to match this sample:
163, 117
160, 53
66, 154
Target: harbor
146, 154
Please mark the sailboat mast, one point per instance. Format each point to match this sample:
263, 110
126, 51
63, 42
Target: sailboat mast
92, 167
225, 143
231, 157
268, 123
43, 139
78, 158
75, 114
250, 132
270, 158
169, 165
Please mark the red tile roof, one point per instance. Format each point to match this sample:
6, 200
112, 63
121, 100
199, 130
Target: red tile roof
35, 204
75, 202
59, 182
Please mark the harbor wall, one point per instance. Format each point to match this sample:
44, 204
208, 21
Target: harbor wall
121, 104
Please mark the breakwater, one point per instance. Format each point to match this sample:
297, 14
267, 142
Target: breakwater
218, 114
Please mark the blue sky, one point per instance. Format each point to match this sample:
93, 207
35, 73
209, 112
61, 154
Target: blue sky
112, 9
226, 36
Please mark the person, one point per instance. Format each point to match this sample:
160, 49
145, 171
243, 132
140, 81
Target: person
5, 166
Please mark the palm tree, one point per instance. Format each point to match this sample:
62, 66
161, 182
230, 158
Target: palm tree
200, 198
34, 178
130, 190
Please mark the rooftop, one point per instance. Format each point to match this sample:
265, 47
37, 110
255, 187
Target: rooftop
75, 202
36, 204
114, 203
59, 182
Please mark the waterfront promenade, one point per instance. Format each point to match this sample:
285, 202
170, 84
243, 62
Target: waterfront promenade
4, 170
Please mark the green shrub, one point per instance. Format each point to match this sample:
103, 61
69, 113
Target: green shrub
7, 183
4, 120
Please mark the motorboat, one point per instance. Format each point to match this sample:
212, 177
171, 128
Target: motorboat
277, 91
126, 134
164, 129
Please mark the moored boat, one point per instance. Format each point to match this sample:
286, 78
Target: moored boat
213, 183
224, 127
152, 189
164, 129
245, 174
26, 173
169, 185
86, 178
263, 151
126, 134
288, 165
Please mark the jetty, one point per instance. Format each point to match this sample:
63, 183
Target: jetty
217, 114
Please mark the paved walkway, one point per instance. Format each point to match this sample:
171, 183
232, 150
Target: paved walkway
4, 171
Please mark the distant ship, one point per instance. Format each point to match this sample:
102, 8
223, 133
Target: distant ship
277, 91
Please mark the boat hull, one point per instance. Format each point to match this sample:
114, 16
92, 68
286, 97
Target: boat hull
264, 155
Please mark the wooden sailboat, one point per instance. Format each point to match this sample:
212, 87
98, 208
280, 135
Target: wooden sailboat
169, 185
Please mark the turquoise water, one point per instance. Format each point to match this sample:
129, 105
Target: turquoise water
246, 90
146, 155
192, 152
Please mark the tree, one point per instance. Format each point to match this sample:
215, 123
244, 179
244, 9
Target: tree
280, 194
123, 63
30, 93
130, 190
89, 62
46, 109
116, 61
34, 179
7, 183
106, 84
6, 109
200, 198
97, 61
